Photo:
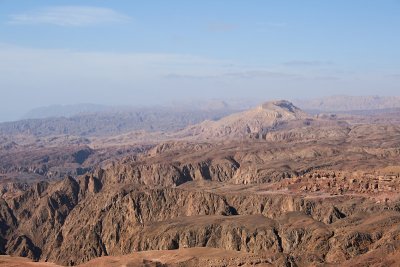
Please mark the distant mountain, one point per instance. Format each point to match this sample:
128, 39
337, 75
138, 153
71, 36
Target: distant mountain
349, 103
216, 104
203, 119
102, 120
113, 122
254, 122
54, 111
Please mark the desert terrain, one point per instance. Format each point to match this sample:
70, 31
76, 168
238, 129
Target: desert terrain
274, 185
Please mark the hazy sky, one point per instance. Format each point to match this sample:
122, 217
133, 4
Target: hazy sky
149, 52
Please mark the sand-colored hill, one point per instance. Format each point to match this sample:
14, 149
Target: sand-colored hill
255, 122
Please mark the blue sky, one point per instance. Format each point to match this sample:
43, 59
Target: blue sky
151, 52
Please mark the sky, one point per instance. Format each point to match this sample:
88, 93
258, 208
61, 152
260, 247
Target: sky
127, 52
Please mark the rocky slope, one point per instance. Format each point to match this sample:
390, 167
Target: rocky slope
183, 195
70, 223
306, 192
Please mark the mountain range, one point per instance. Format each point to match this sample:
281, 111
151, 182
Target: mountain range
269, 186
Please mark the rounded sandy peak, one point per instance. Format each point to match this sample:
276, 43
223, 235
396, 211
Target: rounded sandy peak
279, 105
281, 109
253, 122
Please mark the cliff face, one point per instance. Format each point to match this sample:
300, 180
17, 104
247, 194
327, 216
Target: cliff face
70, 223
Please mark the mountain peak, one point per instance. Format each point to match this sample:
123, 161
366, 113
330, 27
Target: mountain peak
279, 105
253, 122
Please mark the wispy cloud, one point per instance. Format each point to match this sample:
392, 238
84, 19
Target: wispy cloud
393, 76
55, 65
327, 78
240, 74
72, 16
269, 26
221, 27
307, 63
250, 74
276, 24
